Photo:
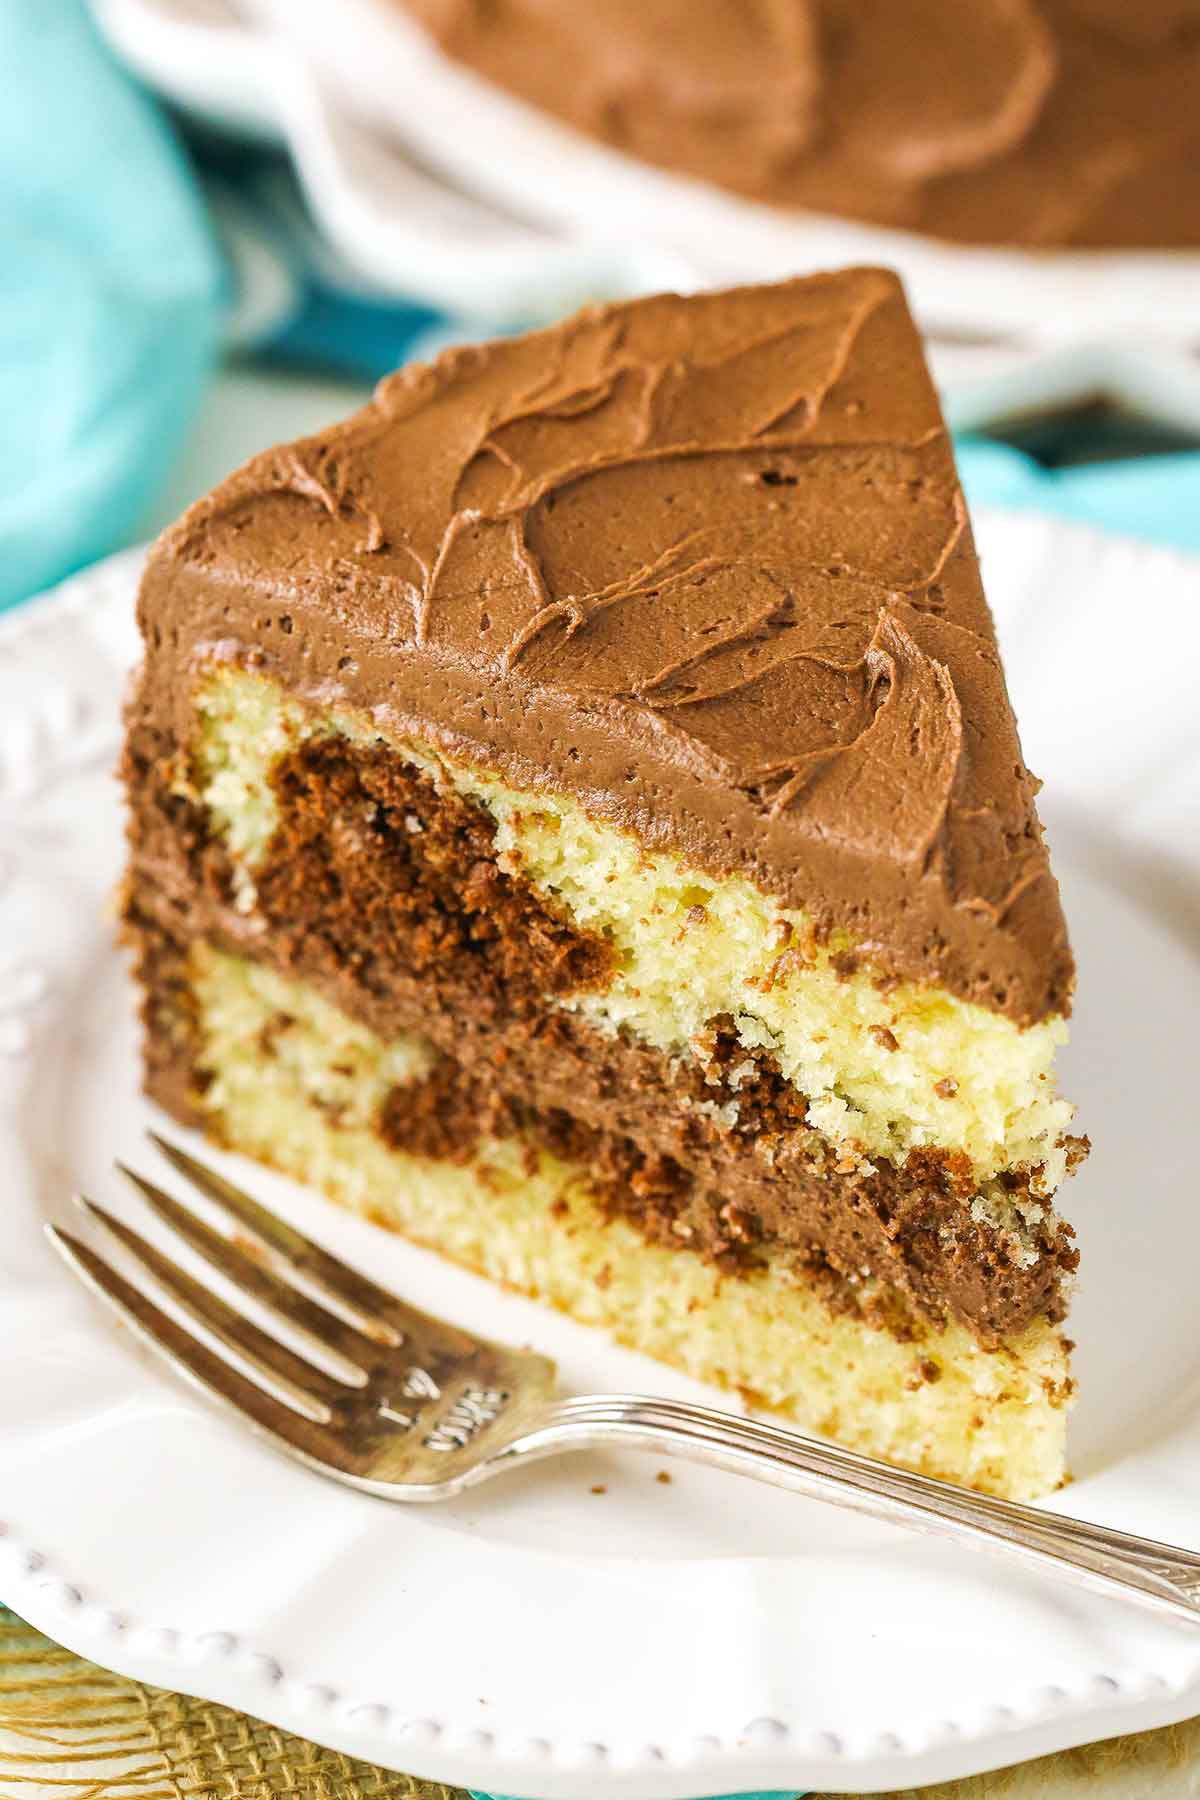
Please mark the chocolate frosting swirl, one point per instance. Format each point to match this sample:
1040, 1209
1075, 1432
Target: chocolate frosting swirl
1037, 122
705, 564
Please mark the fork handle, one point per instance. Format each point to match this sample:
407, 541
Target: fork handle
1156, 1574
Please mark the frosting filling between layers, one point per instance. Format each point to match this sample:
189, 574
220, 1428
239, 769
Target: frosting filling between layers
269, 1067
383, 887
417, 1100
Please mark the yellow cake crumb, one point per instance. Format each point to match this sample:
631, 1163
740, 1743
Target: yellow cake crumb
991, 1419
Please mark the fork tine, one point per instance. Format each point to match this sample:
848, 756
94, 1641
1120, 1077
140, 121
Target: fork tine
368, 1304
185, 1354
305, 1389
342, 1346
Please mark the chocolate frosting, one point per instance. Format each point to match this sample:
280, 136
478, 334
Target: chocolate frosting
704, 564
1036, 122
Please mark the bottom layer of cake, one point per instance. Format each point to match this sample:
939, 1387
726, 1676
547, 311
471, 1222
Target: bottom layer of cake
284, 1077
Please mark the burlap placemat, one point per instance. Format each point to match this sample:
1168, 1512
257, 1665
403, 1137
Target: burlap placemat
76, 1732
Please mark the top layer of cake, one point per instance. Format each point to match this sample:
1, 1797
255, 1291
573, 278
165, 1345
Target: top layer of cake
703, 564
1003, 121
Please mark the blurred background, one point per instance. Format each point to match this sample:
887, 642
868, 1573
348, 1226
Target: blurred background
224, 220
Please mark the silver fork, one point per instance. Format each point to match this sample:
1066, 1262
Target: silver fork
399, 1404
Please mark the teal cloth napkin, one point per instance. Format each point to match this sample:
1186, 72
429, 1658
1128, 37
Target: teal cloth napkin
1155, 497
111, 296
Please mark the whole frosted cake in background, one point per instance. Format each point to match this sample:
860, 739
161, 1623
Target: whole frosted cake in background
577, 819
1033, 122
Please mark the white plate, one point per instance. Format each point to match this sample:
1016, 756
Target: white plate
701, 1637
435, 185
